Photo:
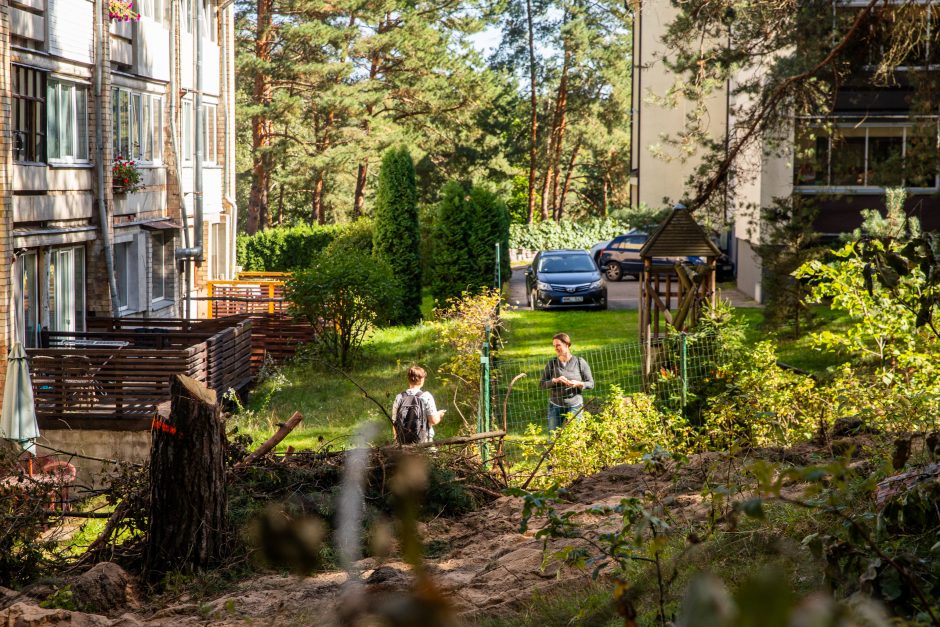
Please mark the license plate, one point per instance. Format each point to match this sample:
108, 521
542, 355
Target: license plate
572, 299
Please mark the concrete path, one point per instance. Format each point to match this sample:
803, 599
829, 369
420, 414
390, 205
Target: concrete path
620, 294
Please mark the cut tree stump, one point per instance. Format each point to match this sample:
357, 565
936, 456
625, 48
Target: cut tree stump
187, 482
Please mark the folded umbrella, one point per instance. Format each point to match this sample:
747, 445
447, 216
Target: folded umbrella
18, 417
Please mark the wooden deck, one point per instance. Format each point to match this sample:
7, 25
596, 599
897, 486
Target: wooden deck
115, 375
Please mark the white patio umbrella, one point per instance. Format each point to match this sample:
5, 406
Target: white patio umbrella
18, 417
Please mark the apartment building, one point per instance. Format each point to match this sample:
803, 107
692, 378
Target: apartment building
79, 93
842, 161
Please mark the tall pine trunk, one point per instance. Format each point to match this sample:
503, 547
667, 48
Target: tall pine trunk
316, 208
261, 125
572, 160
559, 125
362, 173
533, 103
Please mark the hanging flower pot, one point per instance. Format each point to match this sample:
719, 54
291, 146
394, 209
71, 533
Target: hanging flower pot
125, 176
122, 11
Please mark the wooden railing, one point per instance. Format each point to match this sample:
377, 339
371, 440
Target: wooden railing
115, 375
227, 298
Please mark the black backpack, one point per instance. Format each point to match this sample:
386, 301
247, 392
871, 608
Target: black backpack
411, 425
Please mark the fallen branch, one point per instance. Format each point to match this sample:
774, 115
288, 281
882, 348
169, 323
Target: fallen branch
273, 441
361, 389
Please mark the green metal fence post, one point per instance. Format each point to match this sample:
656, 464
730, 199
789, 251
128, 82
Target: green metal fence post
684, 365
485, 416
499, 278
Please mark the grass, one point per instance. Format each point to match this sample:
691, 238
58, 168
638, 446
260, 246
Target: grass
332, 406
529, 333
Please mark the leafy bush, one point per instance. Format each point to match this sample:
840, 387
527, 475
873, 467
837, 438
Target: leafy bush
346, 296
396, 238
625, 429
283, 249
461, 334
467, 226
355, 237
565, 234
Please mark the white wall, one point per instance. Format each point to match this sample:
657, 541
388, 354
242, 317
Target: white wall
71, 29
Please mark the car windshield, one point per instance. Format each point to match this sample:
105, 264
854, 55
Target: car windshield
566, 263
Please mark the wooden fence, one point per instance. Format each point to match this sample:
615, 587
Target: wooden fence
115, 375
249, 293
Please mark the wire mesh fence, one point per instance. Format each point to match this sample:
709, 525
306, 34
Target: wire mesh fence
677, 364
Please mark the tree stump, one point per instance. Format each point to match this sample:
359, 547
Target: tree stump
187, 482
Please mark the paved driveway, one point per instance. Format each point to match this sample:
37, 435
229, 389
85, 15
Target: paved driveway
620, 294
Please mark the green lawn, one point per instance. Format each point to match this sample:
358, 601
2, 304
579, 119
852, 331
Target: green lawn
332, 406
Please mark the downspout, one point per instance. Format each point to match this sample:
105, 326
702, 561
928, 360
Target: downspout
103, 220
198, 131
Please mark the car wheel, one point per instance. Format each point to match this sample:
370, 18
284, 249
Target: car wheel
614, 272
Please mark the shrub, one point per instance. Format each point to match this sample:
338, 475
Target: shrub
352, 238
565, 234
453, 269
125, 176
283, 249
346, 296
491, 225
466, 229
396, 238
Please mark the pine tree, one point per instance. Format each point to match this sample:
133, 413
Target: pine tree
453, 269
490, 225
396, 237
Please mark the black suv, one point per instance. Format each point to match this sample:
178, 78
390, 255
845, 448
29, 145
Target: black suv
563, 279
621, 257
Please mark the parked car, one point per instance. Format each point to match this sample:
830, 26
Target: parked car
565, 279
621, 257
596, 250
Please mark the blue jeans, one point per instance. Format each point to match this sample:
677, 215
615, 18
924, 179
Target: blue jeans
557, 415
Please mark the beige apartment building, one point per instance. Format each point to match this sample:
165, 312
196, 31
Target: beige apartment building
78, 92
845, 170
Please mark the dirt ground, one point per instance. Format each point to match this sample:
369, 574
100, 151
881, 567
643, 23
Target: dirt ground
481, 563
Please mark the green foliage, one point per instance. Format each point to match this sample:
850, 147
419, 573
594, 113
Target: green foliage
895, 224
466, 229
789, 241
396, 237
355, 237
346, 296
452, 269
640, 217
491, 226
461, 328
518, 203
283, 249
61, 599
622, 432
565, 234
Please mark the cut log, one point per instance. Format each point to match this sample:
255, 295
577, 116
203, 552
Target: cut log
187, 483
273, 441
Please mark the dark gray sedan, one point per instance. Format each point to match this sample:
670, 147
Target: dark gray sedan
565, 279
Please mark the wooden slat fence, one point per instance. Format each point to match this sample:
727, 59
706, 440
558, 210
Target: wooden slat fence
278, 337
228, 298
119, 384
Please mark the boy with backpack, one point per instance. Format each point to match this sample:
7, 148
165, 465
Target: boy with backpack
414, 413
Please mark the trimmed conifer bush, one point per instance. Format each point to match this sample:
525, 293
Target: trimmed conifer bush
396, 237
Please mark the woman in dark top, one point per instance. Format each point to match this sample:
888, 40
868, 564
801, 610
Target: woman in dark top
565, 376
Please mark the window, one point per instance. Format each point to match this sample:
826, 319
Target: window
187, 9
210, 119
67, 289
67, 121
161, 268
187, 131
867, 156
137, 121
209, 20
125, 275
29, 113
152, 9
29, 299
219, 251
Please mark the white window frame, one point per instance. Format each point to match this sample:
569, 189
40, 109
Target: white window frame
144, 113
71, 124
187, 130
210, 134
67, 274
829, 188
159, 245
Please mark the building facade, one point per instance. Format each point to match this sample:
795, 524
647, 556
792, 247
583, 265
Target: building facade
842, 161
81, 95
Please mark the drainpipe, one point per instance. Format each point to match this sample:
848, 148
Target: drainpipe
103, 220
199, 133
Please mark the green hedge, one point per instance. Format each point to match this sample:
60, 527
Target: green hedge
282, 249
565, 234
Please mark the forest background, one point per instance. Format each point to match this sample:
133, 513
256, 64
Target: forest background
325, 87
